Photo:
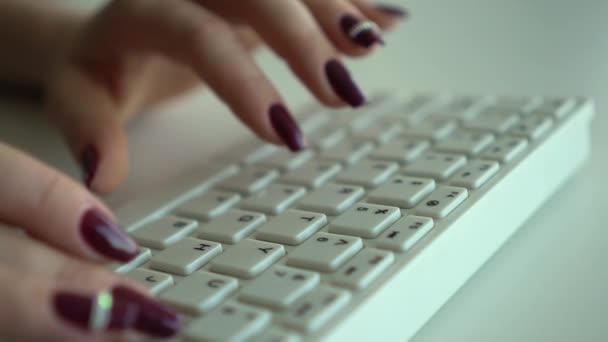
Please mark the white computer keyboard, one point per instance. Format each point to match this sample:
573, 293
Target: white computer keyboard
368, 232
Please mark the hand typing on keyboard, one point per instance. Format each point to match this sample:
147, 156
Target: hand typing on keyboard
100, 69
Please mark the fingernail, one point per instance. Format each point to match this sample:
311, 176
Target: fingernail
286, 127
89, 160
120, 309
363, 33
343, 84
106, 237
392, 10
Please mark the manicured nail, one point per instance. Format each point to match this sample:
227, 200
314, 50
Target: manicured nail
106, 237
89, 160
120, 309
286, 127
363, 33
392, 10
343, 84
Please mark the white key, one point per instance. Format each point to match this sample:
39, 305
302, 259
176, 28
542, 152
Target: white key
200, 292
275, 199
401, 150
232, 227
379, 133
251, 180
231, 322
363, 269
251, 152
275, 334
405, 233
292, 227
347, 152
559, 108
210, 205
313, 174
434, 128
331, 199
248, 259
154, 281
325, 252
279, 287
505, 149
436, 165
475, 174
402, 191
310, 313
533, 126
519, 104
466, 142
365, 220
186, 256
317, 119
493, 119
368, 173
327, 137
442, 201
164, 232
286, 160
462, 107
144, 255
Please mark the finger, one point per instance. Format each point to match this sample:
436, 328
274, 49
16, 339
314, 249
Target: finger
384, 15
189, 34
301, 42
346, 26
53, 208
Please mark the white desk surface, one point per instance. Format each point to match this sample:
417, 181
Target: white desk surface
550, 281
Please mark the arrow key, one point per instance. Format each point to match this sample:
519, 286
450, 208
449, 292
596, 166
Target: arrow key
156, 282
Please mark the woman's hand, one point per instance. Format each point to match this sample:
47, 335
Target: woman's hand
51, 282
136, 53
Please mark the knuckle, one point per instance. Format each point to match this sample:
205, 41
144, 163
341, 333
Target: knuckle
50, 187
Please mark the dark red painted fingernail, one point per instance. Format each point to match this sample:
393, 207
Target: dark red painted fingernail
125, 309
392, 10
90, 161
363, 33
106, 237
343, 84
286, 127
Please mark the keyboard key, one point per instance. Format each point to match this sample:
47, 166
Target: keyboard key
232, 227
505, 149
164, 232
368, 173
251, 153
442, 201
466, 142
292, 227
347, 152
365, 220
274, 334
522, 105
402, 191
533, 126
559, 108
210, 205
186, 256
475, 174
463, 107
325, 252
287, 160
200, 292
497, 120
327, 137
380, 133
332, 199
401, 151
313, 174
251, 180
248, 258
144, 255
363, 269
279, 287
275, 199
310, 313
405, 233
154, 281
231, 322
436, 165
434, 128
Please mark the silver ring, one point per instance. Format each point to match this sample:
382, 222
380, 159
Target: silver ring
101, 312
361, 27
